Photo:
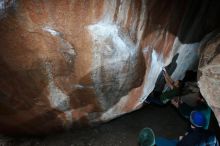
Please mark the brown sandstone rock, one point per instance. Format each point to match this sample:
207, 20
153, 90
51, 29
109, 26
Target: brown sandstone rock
66, 63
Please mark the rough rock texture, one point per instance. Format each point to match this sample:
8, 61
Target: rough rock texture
209, 72
68, 63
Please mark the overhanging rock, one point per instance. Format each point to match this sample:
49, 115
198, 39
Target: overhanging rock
71, 63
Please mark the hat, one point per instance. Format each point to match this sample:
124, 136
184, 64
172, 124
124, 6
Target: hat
197, 119
146, 137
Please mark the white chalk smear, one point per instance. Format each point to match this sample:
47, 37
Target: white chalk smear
151, 78
51, 31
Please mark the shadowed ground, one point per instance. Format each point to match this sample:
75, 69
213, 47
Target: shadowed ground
123, 131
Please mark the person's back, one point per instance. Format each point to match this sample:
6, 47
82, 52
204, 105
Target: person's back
198, 137
210, 140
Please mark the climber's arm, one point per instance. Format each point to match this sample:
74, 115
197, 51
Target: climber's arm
168, 79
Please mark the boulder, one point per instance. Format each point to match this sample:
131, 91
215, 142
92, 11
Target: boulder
69, 63
209, 72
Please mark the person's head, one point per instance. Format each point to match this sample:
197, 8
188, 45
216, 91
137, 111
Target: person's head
198, 119
146, 137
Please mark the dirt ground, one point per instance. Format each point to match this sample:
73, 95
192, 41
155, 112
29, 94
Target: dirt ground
123, 131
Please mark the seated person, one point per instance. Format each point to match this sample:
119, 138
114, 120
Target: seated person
163, 98
196, 136
199, 105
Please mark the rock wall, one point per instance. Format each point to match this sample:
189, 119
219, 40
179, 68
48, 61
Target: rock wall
72, 63
209, 71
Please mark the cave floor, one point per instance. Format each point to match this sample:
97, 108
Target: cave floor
123, 131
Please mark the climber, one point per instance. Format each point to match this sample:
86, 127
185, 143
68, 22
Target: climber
174, 91
196, 136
